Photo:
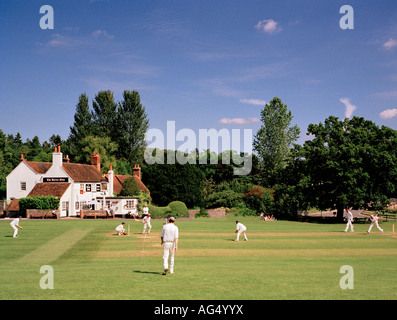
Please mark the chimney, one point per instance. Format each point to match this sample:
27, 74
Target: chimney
67, 160
57, 157
96, 160
110, 179
21, 159
136, 171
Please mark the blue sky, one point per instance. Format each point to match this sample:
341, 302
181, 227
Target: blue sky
203, 64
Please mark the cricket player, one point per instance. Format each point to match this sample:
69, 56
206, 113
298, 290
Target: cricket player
169, 241
349, 218
146, 223
15, 225
374, 221
145, 211
240, 229
120, 229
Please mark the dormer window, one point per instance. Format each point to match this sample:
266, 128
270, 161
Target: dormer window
23, 186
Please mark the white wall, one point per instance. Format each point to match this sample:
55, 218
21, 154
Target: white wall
21, 173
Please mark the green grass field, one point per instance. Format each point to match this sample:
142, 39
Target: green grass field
282, 260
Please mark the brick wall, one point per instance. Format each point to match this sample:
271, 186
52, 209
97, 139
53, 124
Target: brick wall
213, 213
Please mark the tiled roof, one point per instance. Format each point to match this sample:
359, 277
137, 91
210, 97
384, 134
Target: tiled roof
39, 167
49, 189
13, 206
83, 172
78, 172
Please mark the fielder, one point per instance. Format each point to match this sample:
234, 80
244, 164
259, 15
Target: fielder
146, 223
169, 241
15, 224
374, 221
240, 229
120, 229
349, 218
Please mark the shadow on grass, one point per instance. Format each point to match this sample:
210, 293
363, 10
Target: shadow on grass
147, 272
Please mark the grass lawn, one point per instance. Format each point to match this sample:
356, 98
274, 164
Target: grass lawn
282, 260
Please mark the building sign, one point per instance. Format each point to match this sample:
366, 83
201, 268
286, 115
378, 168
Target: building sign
55, 179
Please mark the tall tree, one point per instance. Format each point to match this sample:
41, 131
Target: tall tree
132, 123
82, 126
350, 163
104, 115
275, 138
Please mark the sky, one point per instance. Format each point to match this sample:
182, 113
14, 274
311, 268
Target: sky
199, 64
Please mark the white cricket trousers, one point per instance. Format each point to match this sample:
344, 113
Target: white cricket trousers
376, 224
168, 253
148, 225
349, 224
241, 232
15, 231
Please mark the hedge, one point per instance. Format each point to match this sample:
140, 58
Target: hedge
176, 209
38, 202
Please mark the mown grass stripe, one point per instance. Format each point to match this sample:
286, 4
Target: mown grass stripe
55, 248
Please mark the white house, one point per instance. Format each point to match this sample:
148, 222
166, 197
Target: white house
78, 186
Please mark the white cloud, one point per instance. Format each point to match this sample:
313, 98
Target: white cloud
268, 26
100, 32
256, 102
349, 107
390, 44
238, 120
388, 113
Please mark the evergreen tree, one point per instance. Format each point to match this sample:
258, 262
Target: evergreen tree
82, 126
132, 123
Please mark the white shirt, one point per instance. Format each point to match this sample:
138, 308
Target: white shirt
240, 226
170, 232
145, 210
146, 220
120, 227
15, 222
349, 215
373, 219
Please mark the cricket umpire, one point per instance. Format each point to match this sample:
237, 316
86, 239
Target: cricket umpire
169, 241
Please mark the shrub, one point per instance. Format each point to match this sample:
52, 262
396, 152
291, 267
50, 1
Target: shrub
129, 188
179, 209
159, 212
202, 213
38, 202
225, 198
176, 209
259, 199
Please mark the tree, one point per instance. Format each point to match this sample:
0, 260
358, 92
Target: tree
171, 182
104, 115
275, 137
103, 146
129, 188
82, 126
350, 163
132, 123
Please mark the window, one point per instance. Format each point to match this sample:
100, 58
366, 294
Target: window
129, 204
98, 187
88, 187
77, 204
23, 186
